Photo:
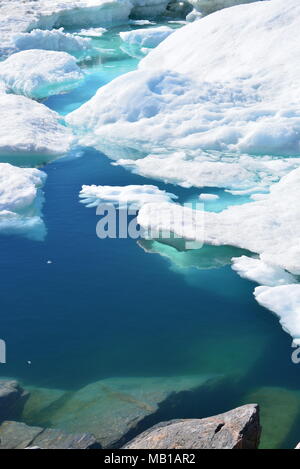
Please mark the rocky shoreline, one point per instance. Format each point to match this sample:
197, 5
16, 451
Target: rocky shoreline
237, 429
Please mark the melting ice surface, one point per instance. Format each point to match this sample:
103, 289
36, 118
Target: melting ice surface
116, 317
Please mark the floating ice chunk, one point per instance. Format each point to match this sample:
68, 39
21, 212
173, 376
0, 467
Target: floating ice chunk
124, 197
21, 201
55, 40
38, 73
208, 197
284, 301
259, 271
31, 130
21, 17
191, 93
194, 15
92, 32
148, 38
269, 227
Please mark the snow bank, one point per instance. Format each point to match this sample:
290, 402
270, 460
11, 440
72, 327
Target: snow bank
31, 130
55, 40
123, 197
38, 73
269, 226
205, 105
21, 201
285, 302
148, 38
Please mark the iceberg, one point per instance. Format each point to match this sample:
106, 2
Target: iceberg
269, 226
21, 201
284, 301
55, 40
39, 73
195, 103
31, 133
146, 38
206, 7
124, 197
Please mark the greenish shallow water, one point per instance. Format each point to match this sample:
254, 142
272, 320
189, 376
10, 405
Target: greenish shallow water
135, 316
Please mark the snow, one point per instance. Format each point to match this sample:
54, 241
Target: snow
284, 301
124, 197
21, 201
92, 32
55, 40
38, 73
202, 108
259, 271
269, 226
29, 129
148, 38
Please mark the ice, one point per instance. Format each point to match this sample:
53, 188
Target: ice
269, 226
124, 197
205, 7
21, 201
55, 40
39, 73
92, 32
283, 300
201, 113
30, 130
208, 197
256, 270
148, 38
19, 17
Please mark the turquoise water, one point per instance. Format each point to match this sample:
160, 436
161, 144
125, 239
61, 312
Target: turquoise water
107, 309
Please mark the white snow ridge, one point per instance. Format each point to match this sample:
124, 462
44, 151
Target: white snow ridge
21, 201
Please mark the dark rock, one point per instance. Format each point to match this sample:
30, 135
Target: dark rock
16, 435
236, 429
12, 400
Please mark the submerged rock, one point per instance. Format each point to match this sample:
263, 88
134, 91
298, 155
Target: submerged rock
12, 400
236, 429
108, 409
16, 435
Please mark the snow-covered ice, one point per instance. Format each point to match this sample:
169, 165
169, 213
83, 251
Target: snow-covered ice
124, 196
208, 197
148, 38
92, 32
21, 201
209, 6
269, 226
284, 301
39, 73
200, 108
56, 40
258, 271
30, 130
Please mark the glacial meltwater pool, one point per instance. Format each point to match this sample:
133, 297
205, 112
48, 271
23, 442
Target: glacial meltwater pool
88, 320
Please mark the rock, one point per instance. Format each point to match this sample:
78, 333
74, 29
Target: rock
12, 400
236, 429
16, 435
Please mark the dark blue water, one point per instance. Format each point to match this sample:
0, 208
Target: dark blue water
109, 308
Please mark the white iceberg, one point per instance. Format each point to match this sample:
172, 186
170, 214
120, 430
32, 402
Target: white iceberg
284, 301
21, 201
124, 196
38, 73
55, 40
208, 197
92, 32
269, 226
196, 99
148, 38
30, 131
258, 271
